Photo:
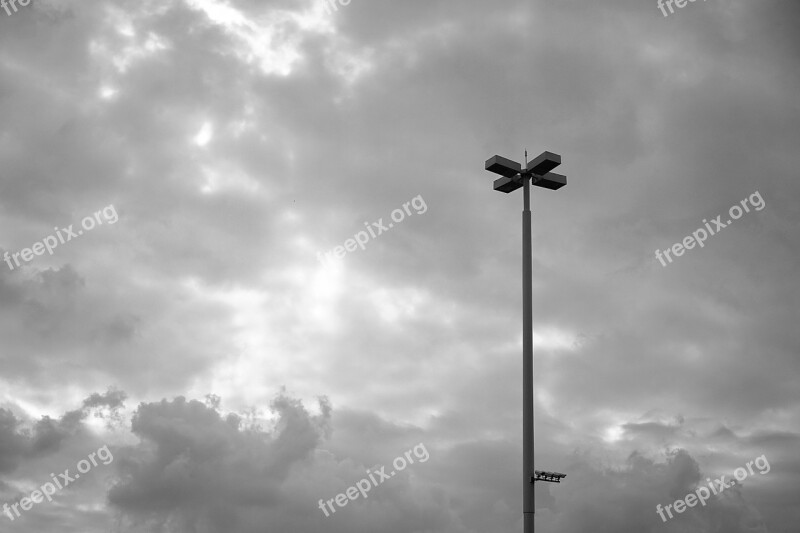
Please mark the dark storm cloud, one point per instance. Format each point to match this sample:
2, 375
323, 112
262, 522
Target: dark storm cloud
197, 468
192, 458
624, 499
31, 450
12, 444
21, 440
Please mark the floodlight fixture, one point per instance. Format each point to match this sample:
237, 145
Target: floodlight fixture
552, 477
507, 184
551, 181
538, 171
544, 163
503, 166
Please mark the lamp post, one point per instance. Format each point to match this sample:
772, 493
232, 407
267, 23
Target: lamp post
514, 176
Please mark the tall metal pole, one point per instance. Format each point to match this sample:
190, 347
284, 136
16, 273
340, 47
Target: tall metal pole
528, 504
514, 176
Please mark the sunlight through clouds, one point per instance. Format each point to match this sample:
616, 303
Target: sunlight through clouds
107, 93
553, 338
122, 59
228, 177
204, 135
613, 434
394, 305
271, 42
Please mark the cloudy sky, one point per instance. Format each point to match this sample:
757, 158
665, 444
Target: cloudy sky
181, 186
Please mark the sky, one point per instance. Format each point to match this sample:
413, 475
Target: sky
252, 258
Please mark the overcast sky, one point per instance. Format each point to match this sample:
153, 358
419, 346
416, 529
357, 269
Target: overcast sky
196, 167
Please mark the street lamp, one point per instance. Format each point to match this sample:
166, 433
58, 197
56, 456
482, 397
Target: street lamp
514, 176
